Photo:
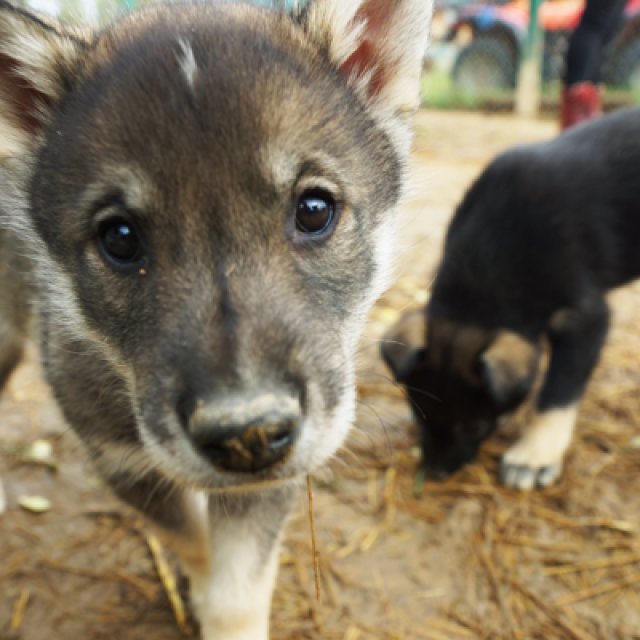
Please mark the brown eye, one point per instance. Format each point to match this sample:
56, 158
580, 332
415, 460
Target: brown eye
119, 242
315, 211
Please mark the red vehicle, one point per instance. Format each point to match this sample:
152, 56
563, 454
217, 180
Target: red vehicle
496, 33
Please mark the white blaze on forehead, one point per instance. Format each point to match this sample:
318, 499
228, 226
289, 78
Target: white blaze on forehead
187, 62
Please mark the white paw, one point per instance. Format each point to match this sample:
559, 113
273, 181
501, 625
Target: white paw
529, 464
526, 478
216, 632
536, 459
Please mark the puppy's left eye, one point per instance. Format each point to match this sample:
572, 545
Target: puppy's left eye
315, 211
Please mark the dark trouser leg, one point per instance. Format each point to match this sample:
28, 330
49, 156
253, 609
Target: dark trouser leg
587, 43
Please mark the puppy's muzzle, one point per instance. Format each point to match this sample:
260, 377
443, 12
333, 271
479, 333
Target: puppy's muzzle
246, 435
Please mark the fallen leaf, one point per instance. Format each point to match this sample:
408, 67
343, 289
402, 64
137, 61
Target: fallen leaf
35, 504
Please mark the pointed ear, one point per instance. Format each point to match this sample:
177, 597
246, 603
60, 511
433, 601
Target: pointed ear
404, 345
378, 44
508, 368
38, 59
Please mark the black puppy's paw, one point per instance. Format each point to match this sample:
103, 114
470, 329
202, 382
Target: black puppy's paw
526, 478
536, 459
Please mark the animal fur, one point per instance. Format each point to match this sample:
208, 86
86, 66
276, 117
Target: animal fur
153, 176
532, 251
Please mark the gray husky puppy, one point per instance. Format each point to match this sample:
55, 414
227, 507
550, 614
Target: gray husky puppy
204, 197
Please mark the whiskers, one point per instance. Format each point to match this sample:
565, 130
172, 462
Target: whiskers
381, 421
397, 385
375, 433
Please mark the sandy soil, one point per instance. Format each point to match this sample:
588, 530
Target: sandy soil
464, 559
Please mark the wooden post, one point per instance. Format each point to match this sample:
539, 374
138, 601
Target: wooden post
530, 73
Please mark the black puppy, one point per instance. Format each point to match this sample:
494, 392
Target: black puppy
532, 250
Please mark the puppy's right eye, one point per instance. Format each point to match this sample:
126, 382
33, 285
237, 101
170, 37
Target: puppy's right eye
119, 243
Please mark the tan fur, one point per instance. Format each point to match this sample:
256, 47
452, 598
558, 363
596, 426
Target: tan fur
468, 343
509, 359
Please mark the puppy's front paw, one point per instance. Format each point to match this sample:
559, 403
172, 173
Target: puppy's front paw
531, 463
526, 477
536, 459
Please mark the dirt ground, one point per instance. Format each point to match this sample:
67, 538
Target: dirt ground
462, 559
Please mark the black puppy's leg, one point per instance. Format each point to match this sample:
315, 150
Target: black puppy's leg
576, 337
228, 545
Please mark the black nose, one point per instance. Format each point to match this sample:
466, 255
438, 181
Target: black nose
250, 448
236, 439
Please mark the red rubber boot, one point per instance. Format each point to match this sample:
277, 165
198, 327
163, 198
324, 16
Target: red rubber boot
580, 102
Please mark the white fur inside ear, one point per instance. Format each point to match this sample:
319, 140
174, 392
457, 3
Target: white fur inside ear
379, 43
336, 19
36, 55
41, 57
402, 47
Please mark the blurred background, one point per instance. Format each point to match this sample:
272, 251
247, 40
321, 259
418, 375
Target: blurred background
101, 11
476, 49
